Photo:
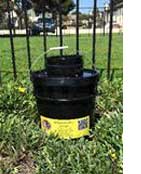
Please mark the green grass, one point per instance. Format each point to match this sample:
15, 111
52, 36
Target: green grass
26, 149
85, 47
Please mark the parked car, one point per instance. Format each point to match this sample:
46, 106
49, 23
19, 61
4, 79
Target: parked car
37, 27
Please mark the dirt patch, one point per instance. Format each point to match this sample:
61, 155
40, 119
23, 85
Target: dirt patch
26, 165
23, 165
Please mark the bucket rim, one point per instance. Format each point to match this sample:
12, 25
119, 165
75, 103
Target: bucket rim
64, 60
65, 56
43, 74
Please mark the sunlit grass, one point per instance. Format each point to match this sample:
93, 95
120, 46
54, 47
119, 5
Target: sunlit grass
36, 45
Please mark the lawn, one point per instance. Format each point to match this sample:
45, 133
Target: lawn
26, 149
85, 47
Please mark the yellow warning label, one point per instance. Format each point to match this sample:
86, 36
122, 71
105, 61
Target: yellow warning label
67, 129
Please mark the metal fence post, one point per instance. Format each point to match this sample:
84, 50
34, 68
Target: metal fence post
44, 32
11, 41
110, 41
104, 23
24, 5
94, 34
60, 27
77, 27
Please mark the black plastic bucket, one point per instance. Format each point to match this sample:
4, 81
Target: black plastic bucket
66, 104
64, 66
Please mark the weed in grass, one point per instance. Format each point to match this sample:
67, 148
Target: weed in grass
22, 142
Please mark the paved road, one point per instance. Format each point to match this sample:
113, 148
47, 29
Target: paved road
66, 32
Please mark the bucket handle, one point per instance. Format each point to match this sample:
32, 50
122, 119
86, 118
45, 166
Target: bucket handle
50, 49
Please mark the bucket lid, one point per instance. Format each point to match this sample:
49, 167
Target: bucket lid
64, 60
88, 77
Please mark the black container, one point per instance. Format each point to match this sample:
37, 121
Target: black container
64, 66
66, 104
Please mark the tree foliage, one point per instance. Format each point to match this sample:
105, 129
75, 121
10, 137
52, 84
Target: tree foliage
3, 8
118, 4
54, 6
3, 5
